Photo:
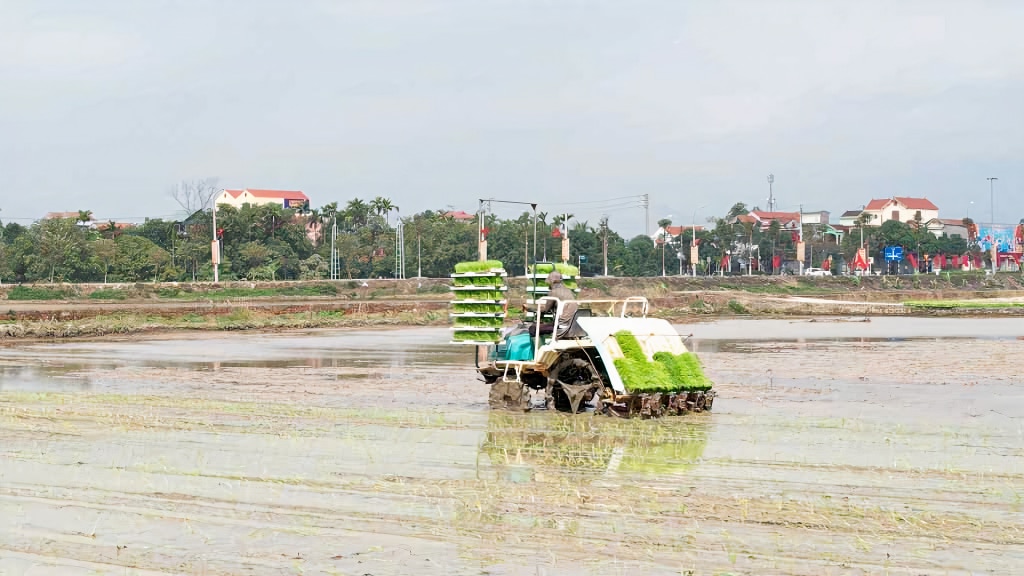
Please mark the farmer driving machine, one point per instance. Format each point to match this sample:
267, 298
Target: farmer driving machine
609, 357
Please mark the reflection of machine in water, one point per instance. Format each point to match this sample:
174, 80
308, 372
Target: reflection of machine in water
527, 447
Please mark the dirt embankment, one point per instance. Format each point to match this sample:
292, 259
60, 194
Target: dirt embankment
874, 288
61, 310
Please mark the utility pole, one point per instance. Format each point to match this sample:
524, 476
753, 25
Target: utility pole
800, 224
399, 249
694, 251
992, 222
645, 203
526, 252
215, 247
771, 197
604, 242
335, 267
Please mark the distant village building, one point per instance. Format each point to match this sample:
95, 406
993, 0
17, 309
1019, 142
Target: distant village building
764, 219
61, 215
90, 222
672, 233
819, 218
849, 218
901, 209
460, 216
294, 199
948, 226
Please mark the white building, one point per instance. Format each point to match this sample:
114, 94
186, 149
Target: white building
285, 198
901, 209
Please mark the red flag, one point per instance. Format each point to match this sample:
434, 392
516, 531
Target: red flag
860, 262
956, 260
556, 232
776, 262
913, 260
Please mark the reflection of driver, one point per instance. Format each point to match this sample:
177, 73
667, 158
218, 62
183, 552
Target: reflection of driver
566, 320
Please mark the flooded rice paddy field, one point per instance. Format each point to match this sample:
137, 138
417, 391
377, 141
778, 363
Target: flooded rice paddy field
894, 446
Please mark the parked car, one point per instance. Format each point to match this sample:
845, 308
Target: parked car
816, 272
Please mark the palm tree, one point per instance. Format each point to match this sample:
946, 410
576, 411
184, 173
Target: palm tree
84, 216
561, 219
737, 209
356, 213
314, 222
383, 207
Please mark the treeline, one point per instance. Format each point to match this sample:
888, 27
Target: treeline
269, 242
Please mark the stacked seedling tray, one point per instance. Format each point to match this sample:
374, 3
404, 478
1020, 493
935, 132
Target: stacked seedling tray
478, 303
537, 283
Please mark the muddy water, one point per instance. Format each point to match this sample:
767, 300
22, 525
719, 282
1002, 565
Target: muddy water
891, 446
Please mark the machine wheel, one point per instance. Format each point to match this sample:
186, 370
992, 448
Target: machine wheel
572, 381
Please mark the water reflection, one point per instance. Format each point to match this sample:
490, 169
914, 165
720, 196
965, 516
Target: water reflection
546, 447
382, 354
41, 379
734, 345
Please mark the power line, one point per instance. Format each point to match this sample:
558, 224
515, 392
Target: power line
105, 218
637, 197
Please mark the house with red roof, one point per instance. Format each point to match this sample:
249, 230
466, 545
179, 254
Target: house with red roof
900, 208
460, 216
285, 198
764, 219
672, 233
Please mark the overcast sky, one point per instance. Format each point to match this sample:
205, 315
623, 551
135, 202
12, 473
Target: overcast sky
105, 104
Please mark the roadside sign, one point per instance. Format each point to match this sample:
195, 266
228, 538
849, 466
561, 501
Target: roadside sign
583, 257
893, 253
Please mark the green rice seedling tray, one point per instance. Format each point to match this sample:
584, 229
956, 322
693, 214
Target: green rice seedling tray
685, 370
476, 336
464, 307
494, 288
481, 281
476, 266
475, 328
668, 373
481, 323
479, 296
543, 278
564, 269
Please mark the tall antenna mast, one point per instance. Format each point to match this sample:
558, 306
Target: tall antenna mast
771, 196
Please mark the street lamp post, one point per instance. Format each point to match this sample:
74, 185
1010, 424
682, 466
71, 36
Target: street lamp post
992, 222
693, 228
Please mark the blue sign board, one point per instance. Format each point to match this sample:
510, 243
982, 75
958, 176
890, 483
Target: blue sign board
893, 253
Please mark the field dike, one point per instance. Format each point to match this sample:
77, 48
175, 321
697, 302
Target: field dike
70, 311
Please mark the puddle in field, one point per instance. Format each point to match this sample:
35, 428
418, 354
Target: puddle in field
855, 328
383, 354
